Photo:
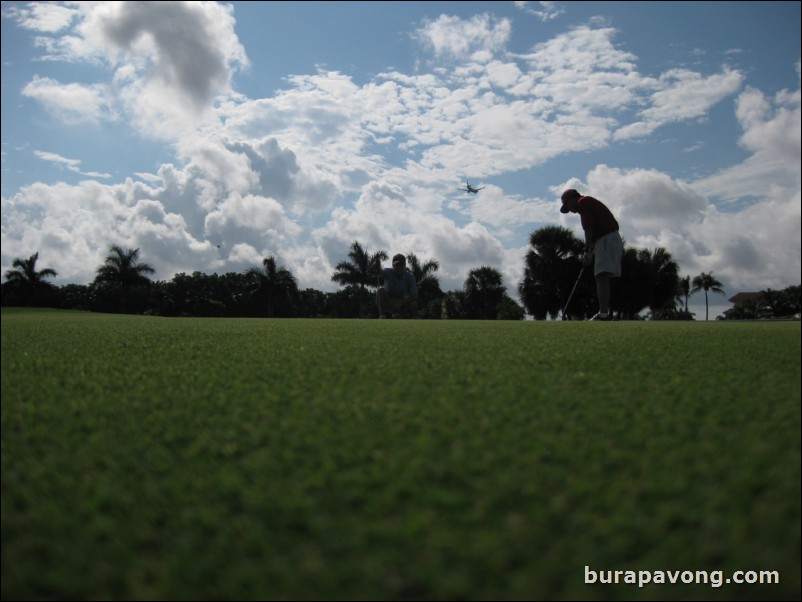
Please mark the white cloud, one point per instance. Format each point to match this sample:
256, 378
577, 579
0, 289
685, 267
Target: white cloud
74, 103
478, 38
771, 132
190, 45
69, 164
383, 219
46, 17
70, 226
254, 220
682, 95
545, 11
771, 129
318, 126
758, 246
501, 211
171, 61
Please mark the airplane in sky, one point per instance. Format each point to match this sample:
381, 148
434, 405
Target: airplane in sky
471, 188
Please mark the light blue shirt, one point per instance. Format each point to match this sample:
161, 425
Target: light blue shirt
399, 286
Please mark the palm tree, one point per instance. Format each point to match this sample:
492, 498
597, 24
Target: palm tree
27, 279
684, 290
121, 269
551, 267
484, 293
708, 283
428, 285
663, 278
273, 284
363, 270
630, 293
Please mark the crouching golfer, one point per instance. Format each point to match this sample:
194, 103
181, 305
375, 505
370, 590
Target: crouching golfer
602, 240
399, 295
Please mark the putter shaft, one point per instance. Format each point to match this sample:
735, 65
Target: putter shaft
582, 271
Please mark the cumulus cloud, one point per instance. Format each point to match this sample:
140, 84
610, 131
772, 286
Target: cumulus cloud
47, 17
759, 245
171, 61
478, 38
70, 225
382, 219
189, 45
771, 133
255, 220
73, 103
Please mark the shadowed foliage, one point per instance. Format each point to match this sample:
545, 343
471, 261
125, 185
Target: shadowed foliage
123, 273
551, 267
27, 283
361, 269
273, 287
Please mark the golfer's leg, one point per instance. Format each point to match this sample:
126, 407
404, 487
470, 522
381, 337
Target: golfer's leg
603, 291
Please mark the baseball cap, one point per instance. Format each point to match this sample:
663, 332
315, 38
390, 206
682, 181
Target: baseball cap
568, 194
399, 259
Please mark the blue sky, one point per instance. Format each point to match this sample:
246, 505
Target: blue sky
293, 128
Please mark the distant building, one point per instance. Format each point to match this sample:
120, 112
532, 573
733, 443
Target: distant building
738, 300
743, 297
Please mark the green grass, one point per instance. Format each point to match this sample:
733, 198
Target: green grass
150, 458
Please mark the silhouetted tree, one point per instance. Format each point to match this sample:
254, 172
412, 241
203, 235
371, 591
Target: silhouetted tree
484, 293
312, 303
769, 304
706, 282
26, 284
362, 270
629, 296
509, 309
76, 296
275, 286
428, 285
662, 278
684, 291
778, 304
122, 271
551, 267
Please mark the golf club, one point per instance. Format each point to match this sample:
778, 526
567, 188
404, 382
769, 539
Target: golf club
582, 271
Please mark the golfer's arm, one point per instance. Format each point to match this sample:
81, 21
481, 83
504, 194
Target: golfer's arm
589, 240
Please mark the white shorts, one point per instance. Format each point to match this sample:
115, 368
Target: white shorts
608, 251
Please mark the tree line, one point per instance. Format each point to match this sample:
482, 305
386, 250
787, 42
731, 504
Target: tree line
121, 285
650, 281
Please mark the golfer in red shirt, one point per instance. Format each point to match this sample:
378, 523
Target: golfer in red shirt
602, 241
